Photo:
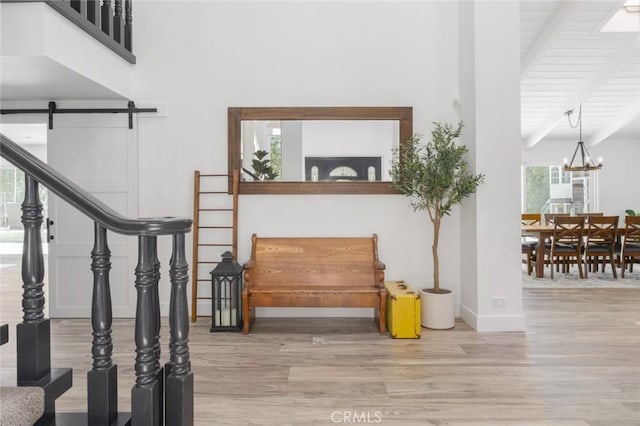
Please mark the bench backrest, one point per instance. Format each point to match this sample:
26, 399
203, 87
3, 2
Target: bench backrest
313, 262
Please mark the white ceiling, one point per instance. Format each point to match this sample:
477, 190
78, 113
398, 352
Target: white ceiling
25, 78
566, 60
25, 134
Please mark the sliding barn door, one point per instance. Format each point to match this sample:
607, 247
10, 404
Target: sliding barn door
99, 153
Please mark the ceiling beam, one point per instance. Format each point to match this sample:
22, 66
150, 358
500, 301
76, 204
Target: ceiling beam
622, 56
631, 112
542, 41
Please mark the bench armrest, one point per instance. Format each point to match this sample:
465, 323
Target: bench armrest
379, 273
249, 273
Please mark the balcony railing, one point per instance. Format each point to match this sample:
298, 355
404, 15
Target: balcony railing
109, 22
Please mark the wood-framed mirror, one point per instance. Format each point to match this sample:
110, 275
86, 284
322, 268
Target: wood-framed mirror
316, 150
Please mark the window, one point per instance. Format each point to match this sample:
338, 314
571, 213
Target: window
11, 184
550, 189
554, 173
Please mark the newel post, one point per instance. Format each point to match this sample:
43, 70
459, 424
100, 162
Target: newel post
33, 334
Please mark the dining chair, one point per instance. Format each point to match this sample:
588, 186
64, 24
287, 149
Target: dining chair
529, 243
549, 217
566, 242
588, 215
630, 252
601, 242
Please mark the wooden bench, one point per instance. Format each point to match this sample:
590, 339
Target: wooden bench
314, 272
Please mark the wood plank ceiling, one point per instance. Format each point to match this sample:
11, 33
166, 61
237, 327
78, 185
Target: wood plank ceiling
566, 60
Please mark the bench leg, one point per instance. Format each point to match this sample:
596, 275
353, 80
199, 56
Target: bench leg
381, 312
246, 326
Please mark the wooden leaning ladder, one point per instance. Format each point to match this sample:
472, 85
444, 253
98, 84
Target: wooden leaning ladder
211, 220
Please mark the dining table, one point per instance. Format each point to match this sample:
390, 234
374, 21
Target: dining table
542, 233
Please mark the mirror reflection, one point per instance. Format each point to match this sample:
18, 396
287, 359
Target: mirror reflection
315, 150
318, 150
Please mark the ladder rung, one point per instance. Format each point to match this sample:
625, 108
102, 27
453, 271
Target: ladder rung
207, 261
215, 210
215, 245
205, 281
207, 298
215, 227
213, 192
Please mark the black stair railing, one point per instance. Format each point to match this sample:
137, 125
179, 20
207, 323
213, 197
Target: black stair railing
109, 22
157, 389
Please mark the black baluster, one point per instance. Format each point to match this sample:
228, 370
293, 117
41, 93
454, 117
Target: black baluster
179, 386
118, 22
33, 334
102, 386
93, 12
145, 395
128, 25
107, 17
156, 326
79, 6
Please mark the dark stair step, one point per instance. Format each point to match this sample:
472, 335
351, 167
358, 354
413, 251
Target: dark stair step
81, 419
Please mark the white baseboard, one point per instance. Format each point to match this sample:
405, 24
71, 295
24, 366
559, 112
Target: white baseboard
488, 323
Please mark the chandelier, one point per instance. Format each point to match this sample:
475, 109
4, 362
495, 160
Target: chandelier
584, 162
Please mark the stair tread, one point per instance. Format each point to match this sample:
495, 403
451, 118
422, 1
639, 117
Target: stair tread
21, 404
54, 384
81, 419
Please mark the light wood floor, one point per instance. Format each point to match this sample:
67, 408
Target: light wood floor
578, 363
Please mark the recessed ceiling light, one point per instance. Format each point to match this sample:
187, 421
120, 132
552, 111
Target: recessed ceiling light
632, 6
625, 20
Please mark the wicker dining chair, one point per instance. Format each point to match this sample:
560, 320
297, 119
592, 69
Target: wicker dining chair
566, 242
630, 252
529, 243
601, 242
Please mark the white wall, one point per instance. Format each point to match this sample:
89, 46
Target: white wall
618, 181
203, 57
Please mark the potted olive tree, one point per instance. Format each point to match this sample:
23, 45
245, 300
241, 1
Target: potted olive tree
436, 177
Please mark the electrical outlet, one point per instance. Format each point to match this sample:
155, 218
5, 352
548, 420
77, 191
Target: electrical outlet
499, 302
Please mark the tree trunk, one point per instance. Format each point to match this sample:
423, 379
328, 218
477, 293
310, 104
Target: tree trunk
436, 262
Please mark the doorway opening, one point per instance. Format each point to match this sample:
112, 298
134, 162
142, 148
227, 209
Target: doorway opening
33, 138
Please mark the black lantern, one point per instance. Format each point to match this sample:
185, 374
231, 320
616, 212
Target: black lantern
226, 283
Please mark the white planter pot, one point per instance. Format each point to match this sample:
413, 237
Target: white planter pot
438, 309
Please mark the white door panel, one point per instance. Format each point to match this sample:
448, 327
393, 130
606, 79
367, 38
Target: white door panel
72, 291
99, 153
